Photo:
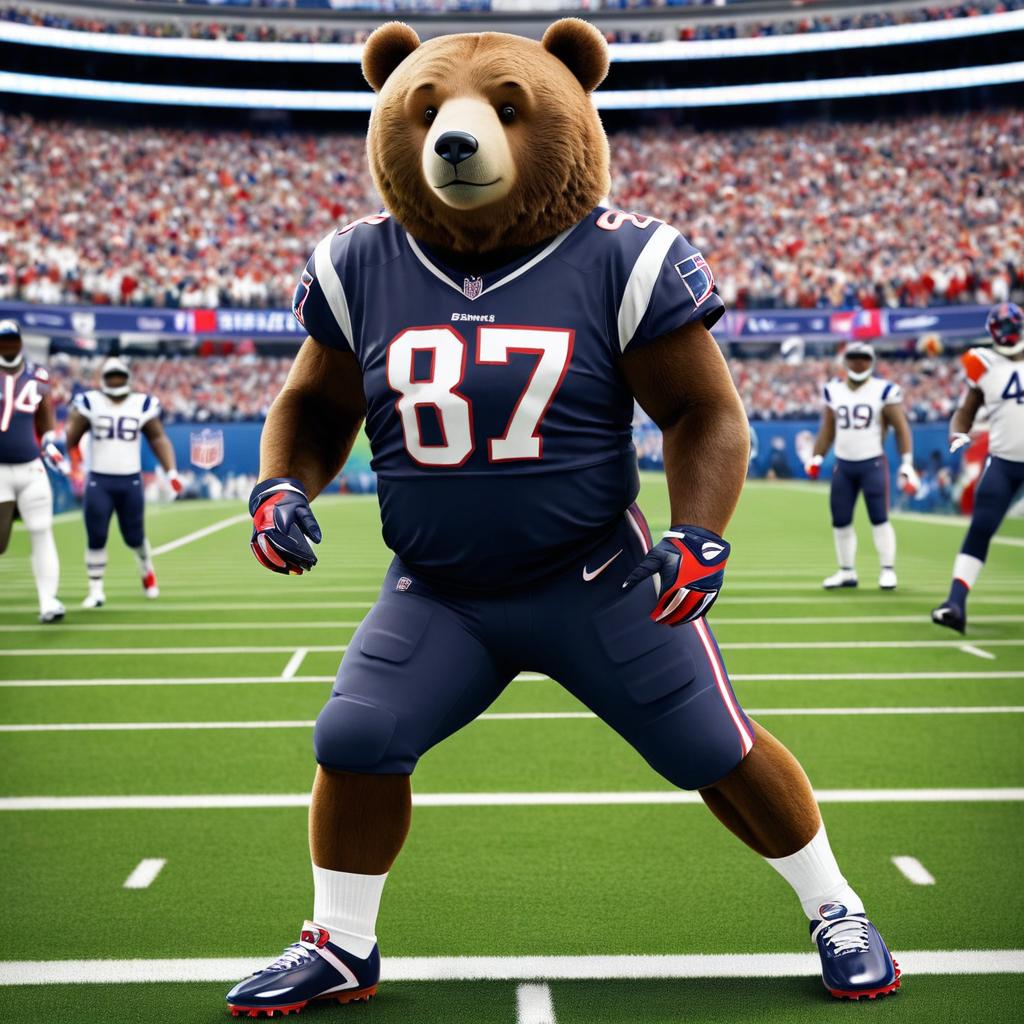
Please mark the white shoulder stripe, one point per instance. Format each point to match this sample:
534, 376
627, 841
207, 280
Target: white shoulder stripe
330, 283
640, 286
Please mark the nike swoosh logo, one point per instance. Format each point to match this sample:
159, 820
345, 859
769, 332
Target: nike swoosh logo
588, 576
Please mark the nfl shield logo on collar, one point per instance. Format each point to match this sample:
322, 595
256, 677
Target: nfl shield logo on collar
696, 277
403, 584
472, 287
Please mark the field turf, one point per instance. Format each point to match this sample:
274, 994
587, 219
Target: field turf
911, 734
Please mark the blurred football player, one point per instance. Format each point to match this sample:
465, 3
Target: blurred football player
859, 409
996, 381
116, 418
26, 413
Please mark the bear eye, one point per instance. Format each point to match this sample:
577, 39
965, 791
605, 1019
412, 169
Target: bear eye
507, 113
429, 114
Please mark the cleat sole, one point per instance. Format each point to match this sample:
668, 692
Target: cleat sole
359, 995
855, 995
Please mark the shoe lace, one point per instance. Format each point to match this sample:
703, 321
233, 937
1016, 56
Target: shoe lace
848, 935
296, 954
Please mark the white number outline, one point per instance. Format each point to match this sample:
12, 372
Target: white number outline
27, 400
518, 428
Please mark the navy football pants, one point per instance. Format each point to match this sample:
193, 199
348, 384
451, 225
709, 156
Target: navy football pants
107, 493
423, 664
869, 477
999, 483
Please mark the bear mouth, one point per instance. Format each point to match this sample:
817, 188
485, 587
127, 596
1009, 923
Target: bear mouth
462, 181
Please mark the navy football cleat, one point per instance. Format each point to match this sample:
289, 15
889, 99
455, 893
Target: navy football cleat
855, 962
311, 969
950, 616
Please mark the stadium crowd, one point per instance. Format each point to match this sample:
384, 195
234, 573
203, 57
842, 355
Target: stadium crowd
915, 212
239, 388
659, 31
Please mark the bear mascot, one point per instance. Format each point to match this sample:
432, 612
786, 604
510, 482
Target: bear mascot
493, 328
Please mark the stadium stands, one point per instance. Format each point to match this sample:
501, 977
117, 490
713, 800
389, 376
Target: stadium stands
920, 211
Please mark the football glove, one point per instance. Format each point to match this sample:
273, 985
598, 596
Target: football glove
51, 455
689, 564
907, 477
177, 484
282, 526
958, 441
813, 466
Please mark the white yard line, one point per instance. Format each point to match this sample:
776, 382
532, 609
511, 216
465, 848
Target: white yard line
829, 620
145, 873
495, 716
913, 870
524, 677
511, 968
533, 1005
960, 522
79, 652
225, 801
223, 524
977, 651
288, 672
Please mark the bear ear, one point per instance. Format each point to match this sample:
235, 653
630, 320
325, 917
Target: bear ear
581, 48
386, 48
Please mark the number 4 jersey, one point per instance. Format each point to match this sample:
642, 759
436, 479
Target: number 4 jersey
115, 429
1001, 383
497, 412
860, 431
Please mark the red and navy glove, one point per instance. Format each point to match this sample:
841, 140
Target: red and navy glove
51, 455
177, 484
689, 568
283, 524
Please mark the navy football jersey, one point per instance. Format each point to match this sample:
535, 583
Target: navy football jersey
497, 413
20, 395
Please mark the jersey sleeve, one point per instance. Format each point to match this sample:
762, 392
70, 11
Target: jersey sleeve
975, 365
319, 303
150, 410
669, 286
826, 394
82, 404
892, 394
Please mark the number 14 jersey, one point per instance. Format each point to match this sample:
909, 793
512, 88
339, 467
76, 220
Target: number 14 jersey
497, 413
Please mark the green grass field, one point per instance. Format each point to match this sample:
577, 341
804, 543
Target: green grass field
912, 735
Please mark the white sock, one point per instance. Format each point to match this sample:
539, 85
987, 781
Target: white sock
347, 906
95, 567
885, 544
45, 566
967, 568
816, 879
846, 546
144, 559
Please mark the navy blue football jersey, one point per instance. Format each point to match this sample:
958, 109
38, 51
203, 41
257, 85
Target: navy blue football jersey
497, 413
20, 396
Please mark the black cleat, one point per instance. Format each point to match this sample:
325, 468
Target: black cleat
950, 616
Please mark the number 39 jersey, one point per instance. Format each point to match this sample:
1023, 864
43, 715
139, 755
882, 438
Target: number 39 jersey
1001, 383
860, 430
497, 413
20, 395
115, 429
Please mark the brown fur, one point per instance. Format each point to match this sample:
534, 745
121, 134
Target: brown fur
557, 139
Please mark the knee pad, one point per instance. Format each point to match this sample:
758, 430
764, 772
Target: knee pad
353, 735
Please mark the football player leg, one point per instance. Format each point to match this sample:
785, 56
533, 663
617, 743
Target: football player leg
875, 486
415, 671
131, 510
97, 508
842, 499
995, 492
666, 691
35, 504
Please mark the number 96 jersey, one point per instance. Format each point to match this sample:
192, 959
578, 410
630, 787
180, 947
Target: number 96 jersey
498, 416
115, 429
860, 431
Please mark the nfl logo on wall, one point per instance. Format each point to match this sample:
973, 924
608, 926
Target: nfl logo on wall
207, 448
472, 287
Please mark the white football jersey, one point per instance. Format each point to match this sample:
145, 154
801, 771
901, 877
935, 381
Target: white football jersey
115, 430
1001, 383
860, 431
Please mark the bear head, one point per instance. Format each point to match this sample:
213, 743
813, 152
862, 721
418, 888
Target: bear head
485, 141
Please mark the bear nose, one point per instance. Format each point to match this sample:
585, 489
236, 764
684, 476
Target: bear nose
455, 147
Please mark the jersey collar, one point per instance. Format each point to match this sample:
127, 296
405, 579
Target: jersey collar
472, 288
